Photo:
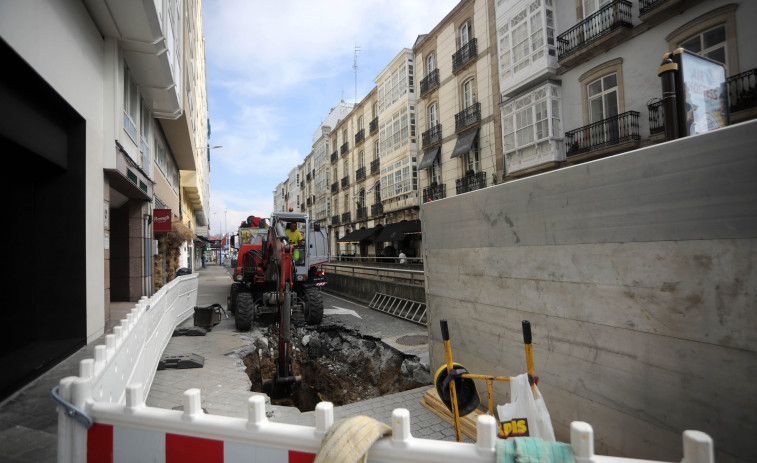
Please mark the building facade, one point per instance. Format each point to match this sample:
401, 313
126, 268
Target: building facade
104, 115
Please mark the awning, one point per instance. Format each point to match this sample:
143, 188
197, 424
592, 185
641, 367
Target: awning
429, 157
464, 142
359, 235
397, 231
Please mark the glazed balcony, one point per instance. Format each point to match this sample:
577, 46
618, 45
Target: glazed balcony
464, 56
430, 82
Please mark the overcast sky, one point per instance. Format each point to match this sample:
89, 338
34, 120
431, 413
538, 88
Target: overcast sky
275, 70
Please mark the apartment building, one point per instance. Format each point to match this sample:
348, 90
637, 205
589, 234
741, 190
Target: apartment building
105, 113
578, 79
458, 113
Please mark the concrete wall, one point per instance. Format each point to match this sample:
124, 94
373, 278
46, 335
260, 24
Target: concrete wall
638, 275
363, 289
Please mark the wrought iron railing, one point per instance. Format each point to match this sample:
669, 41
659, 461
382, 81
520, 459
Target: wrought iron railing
467, 117
435, 192
432, 136
645, 6
375, 166
607, 132
742, 90
334, 187
373, 126
345, 181
346, 217
334, 156
302, 185
656, 115
307, 177
359, 136
377, 209
335, 219
464, 55
470, 183
360, 174
361, 212
607, 19
430, 82
345, 147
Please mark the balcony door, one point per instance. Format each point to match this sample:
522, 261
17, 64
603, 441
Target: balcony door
600, 22
603, 106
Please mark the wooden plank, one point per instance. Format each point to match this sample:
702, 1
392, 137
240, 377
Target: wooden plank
432, 402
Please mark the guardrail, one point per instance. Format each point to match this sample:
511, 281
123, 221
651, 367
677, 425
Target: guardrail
413, 277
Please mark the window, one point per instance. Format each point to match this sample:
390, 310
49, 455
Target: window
430, 64
376, 150
436, 171
395, 132
471, 158
131, 101
433, 115
530, 120
712, 35
603, 98
360, 123
395, 85
592, 6
361, 159
145, 137
528, 36
469, 96
465, 33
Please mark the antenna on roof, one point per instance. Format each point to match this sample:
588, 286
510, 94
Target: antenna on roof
354, 66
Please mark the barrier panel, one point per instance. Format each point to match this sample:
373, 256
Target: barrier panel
103, 416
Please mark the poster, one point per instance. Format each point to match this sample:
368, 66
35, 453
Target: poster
705, 106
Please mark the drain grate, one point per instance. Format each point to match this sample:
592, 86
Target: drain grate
413, 340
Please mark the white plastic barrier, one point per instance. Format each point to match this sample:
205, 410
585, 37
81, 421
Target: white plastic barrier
106, 419
133, 432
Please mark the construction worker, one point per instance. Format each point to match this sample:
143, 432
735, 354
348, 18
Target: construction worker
293, 235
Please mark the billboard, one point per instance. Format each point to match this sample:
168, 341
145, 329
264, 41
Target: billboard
161, 220
702, 93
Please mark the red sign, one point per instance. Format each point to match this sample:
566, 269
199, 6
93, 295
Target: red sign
161, 220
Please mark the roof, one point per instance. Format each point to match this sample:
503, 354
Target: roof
359, 235
397, 231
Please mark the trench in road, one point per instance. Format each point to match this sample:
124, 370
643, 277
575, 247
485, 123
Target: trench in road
337, 364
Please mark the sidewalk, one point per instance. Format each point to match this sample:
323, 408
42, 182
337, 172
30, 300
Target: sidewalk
29, 422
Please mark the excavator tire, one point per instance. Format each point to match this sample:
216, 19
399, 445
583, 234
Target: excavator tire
245, 311
313, 306
235, 289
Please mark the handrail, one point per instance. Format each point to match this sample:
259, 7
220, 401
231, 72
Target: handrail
607, 19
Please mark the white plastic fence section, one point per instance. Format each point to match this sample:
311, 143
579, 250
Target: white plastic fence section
133, 432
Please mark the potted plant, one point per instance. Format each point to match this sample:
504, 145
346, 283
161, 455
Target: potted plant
469, 172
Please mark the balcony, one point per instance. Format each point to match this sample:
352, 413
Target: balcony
373, 126
435, 192
361, 213
345, 181
653, 12
307, 177
616, 130
302, 207
432, 136
360, 174
429, 82
468, 117
377, 209
375, 166
346, 217
656, 116
345, 147
598, 29
334, 187
470, 183
335, 219
464, 56
334, 156
302, 185
309, 202
742, 91
359, 136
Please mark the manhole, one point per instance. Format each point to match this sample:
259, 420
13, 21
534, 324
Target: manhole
337, 365
413, 340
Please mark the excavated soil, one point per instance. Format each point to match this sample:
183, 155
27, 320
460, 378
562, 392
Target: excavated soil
336, 364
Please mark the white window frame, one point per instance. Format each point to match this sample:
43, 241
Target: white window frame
469, 93
130, 104
433, 115
465, 33
430, 63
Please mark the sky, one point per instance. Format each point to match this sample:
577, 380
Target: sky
275, 70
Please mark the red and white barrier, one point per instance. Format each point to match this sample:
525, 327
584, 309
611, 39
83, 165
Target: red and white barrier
109, 395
